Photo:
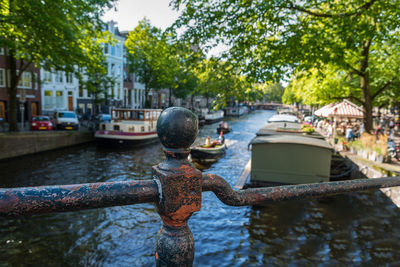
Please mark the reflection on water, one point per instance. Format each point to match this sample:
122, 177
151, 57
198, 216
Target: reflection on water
352, 229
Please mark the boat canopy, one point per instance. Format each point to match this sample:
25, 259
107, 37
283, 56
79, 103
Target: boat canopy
291, 139
283, 118
135, 114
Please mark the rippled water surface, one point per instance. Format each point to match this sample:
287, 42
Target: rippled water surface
357, 228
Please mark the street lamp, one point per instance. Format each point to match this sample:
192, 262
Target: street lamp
22, 100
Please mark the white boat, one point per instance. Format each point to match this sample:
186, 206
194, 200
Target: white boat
213, 116
129, 126
237, 111
283, 118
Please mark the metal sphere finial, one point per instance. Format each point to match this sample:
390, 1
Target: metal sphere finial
177, 128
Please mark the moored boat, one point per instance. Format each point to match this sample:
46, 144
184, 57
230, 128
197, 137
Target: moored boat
129, 126
284, 118
237, 111
282, 154
213, 116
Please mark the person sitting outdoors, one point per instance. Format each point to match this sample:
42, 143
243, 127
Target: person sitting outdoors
219, 141
349, 133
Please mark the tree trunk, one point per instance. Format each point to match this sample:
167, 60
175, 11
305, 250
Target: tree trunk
147, 103
170, 98
12, 93
365, 87
367, 103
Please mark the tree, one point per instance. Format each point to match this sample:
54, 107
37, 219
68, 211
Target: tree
54, 34
270, 38
148, 56
97, 84
272, 92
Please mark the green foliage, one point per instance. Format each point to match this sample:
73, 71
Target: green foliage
269, 39
52, 33
148, 56
307, 129
55, 34
272, 92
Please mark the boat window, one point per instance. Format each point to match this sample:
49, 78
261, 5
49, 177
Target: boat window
116, 127
141, 115
142, 128
132, 129
103, 127
149, 128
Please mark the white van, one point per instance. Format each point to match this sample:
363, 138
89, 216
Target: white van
66, 120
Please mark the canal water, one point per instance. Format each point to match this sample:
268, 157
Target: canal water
351, 229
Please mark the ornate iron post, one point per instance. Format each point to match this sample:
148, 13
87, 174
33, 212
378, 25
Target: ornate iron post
180, 187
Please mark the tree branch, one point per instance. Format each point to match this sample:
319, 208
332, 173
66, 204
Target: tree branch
358, 72
348, 97
383, 88
357, 12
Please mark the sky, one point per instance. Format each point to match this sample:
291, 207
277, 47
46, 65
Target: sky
130, 12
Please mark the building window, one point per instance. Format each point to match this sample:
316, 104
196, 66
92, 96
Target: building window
59, 99
47, 76
59, 76
106, 49
1, 51
80, 90
118, 90
113, 50
2, 78
26, 80
47, 99
69, 78
35, 81
118, 50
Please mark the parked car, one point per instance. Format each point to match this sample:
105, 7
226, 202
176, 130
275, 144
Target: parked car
41, 122
66, 120
103, 118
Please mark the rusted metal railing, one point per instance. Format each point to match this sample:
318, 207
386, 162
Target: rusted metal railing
176, 191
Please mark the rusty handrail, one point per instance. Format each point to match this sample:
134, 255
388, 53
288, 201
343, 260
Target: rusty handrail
45, 199
176, 190
266, 195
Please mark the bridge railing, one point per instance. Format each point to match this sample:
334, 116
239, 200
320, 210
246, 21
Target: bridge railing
176, 190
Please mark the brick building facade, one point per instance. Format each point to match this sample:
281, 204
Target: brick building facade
29, 86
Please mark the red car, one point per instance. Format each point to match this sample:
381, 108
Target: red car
41, 122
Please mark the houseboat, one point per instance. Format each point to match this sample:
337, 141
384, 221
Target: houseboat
213, 116
237, 111
129, 126
281, 154
284, 118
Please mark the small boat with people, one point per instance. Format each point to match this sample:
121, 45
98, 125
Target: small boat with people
209, 152
129, 126
224, 128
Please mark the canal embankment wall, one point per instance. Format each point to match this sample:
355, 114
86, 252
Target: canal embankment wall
25, 143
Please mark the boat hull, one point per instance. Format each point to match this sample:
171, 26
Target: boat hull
213, 120
125, 138
200, 154
224, 130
